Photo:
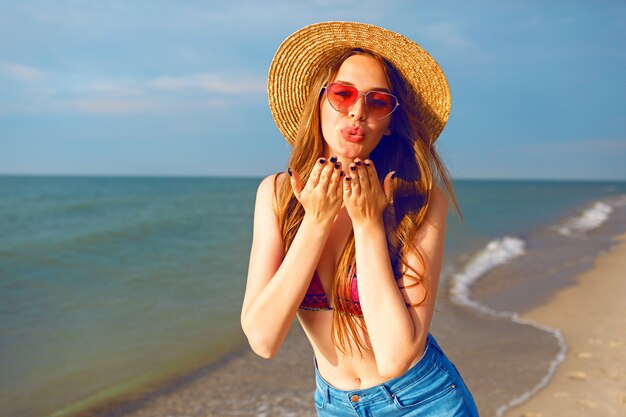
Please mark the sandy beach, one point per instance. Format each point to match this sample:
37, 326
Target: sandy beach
592, 317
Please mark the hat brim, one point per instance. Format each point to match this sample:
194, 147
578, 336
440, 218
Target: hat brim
304, 53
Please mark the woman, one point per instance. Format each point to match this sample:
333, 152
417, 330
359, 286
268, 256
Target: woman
361, 106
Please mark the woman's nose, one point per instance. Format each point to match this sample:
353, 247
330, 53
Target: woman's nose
358, 109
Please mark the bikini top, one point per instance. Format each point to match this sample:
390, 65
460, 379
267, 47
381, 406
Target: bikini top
315, 298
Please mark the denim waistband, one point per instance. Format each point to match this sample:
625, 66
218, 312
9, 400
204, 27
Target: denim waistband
383, 391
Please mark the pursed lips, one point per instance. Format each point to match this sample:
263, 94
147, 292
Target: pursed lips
353, 133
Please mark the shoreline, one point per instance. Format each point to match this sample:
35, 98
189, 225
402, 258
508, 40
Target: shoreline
591, 315
241, 385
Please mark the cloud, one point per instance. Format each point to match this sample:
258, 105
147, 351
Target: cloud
209, 83
20, 72
125, 95
110, 106
111, 88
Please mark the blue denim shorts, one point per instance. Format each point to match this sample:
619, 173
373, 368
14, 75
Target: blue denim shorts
432, 387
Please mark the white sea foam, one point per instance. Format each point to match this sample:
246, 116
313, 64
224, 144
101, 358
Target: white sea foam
498, 252
589, 219
554, 363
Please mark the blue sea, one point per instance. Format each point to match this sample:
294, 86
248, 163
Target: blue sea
116, 285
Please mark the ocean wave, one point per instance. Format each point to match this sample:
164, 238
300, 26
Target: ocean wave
588, 220
498, 252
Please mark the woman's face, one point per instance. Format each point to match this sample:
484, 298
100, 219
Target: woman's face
355, 134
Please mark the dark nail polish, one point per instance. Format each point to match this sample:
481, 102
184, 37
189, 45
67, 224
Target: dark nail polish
290, 172
337, 166
348, 178
358, 163
342, 174
366, 164
353, 168
333, 159
393, 175
322, 161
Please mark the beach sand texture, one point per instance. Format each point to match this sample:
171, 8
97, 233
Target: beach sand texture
243, 385
592, 317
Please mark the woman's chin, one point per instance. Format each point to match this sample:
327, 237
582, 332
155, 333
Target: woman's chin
352, 152
349, 150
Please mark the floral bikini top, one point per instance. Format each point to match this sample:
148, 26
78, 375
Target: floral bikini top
315, 298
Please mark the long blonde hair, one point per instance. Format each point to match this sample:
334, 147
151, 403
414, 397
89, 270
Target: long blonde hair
408, 151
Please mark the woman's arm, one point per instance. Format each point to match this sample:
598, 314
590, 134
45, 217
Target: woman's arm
277, 282
396, 332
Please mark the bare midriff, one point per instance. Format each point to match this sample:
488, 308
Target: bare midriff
343, 372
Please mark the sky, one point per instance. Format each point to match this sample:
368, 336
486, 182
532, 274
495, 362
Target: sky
178, 88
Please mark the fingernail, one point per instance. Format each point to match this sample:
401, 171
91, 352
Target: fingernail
393, 175
290, 172
352, 168
358, 163
341, 174
348, 178
322, 161
333, 159
337, 166
366, 163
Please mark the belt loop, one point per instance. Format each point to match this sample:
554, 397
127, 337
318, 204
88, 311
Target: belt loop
387, 393
434, 342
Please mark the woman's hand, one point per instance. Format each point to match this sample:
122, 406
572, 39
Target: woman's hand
321, 196
363, 195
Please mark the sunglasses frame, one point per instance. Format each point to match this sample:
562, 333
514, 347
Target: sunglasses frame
359, 95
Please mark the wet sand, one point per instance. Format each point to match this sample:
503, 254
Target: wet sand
247, 385
592, 317
241, 385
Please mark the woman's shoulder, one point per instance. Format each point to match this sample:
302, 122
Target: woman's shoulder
438, 198
437, 205
437, 209
272, 182
268, 186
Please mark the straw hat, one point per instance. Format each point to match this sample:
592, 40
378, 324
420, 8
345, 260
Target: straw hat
311, 49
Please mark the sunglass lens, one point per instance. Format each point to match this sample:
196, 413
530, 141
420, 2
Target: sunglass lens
380, 104
341, 97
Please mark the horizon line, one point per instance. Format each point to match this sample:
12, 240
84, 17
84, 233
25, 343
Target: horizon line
260, 176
